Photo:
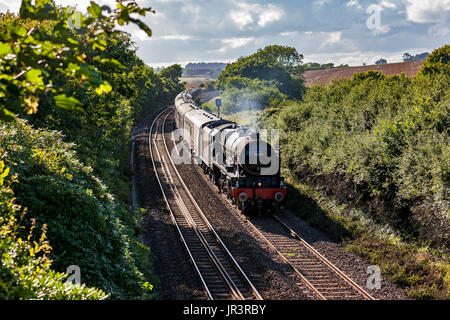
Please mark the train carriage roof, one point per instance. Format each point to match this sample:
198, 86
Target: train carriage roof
182, 108
200, 117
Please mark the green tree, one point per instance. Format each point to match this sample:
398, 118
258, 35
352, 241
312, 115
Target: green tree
30, 58
437, 62
173, 72
278, 63
283, 55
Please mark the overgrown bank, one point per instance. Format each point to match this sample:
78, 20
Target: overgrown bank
373, 152
65, 168
366, 159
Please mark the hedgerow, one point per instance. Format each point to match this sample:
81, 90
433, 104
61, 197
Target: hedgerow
82, 218
25, 266
375, 150
71, 155
383, 140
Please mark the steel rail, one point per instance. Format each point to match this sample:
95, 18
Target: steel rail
234, 291
308, 284
200, 211
170, 209
341, 274
185, 211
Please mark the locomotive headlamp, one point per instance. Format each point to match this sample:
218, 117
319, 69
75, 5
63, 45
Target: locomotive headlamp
259, 184
279, 197
243, 197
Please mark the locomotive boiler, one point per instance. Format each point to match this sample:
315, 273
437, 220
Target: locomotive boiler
237, 159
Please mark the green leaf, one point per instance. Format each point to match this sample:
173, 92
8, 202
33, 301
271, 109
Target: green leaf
95, 10
17, 30
100, 44
109, 61
144, 27
103, 88
67, 103
4, 49
6, 115
34, 76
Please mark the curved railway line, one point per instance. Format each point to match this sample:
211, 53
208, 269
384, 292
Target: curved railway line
222, 277
219, 272
321, 276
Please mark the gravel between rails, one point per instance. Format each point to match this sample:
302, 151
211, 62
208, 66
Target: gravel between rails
178, 279
352, 265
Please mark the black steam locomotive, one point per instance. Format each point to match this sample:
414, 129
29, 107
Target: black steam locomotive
237, 159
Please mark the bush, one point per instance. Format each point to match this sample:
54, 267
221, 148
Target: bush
25, 269
378, 142
83, 219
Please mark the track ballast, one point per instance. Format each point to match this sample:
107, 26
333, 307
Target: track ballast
219, 272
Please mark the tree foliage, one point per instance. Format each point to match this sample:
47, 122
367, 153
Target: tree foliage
280, 64
31, 57
71, 155
421, 56
173, 72
379, 142
381, 61
437, 62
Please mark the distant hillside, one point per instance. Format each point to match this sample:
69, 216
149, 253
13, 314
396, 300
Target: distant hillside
325, 76
204, 69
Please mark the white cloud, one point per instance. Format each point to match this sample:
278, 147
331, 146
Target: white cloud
229, 44
439, 31
289, 34
331, 38
182, 37
423, 11
269, 14
320, 3
6, 5
387, 4
353, 3
234, 43
323, 30
241, 18
381, 30
246, 14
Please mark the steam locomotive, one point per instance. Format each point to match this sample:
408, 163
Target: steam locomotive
242, 164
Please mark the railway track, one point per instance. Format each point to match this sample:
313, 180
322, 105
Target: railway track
219, 272
323, 278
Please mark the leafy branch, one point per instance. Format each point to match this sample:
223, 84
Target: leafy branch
47, 49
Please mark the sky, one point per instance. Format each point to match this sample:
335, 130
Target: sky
343, 32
